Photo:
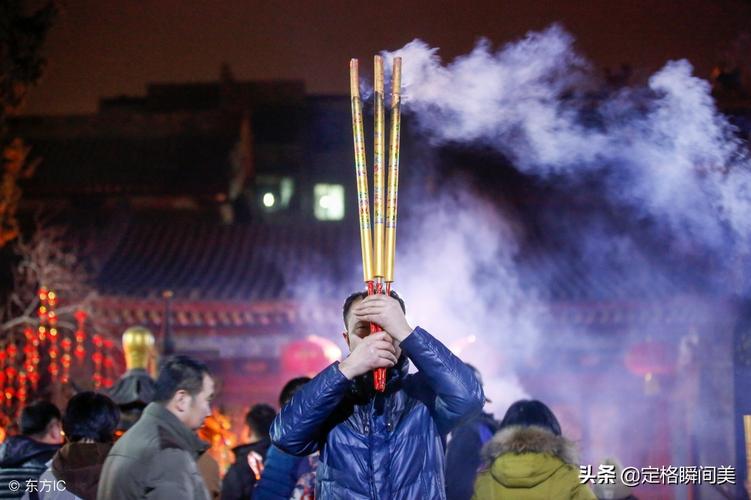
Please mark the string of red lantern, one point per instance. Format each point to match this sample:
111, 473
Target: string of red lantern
20, 370
80, 351
98, 359
109, 364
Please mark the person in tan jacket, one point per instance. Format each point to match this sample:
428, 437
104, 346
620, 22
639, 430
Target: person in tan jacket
529, 459
156, 458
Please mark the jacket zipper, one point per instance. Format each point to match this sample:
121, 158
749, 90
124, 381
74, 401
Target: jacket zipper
369, 430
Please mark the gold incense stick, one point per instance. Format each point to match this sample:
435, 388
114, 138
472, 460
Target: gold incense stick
393, 181
378, 170
361, 172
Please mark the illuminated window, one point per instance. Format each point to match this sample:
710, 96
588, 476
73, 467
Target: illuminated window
328, 201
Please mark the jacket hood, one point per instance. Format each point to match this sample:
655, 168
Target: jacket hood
523, 457
17, 451
79, 465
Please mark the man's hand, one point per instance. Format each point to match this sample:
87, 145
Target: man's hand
374, 351
385, 312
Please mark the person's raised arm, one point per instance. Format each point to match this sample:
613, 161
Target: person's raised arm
298, 427
458, 392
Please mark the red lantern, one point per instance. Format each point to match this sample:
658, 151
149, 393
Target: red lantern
80, 317
34, 379
651, 357
80, 353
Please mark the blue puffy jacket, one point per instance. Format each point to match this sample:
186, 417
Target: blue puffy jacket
382, 445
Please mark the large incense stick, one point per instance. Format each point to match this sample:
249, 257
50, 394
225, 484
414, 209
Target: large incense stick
378, 170
361, 172
393, 183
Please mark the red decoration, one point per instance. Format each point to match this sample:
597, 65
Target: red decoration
309, 356
80, 316
34, 379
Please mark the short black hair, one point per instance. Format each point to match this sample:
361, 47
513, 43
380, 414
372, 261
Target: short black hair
179, 373
37, 416
90, 415
290, 388
259, 419
527, 412
361, 295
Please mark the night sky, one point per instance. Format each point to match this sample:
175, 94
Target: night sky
107, 48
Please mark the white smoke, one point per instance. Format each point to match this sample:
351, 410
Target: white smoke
666, 150
455, 269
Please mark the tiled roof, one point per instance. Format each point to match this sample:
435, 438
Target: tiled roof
226, 316
199, 259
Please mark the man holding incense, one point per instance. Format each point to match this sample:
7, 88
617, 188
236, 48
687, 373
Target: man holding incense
380, 445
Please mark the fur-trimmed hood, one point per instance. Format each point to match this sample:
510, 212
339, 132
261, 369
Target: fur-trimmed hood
533, 439
528, 457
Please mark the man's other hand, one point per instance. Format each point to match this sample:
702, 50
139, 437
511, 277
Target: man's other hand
375, 351
385, 312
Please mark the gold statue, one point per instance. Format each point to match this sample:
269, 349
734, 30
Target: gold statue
138, 346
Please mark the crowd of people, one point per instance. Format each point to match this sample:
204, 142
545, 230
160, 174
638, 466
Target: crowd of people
425, 436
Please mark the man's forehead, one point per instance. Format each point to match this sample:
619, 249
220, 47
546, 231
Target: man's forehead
350, 313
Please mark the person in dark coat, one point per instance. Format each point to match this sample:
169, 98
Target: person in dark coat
240, 479
463, 451
25, 457
282, 470
380, 445
89, 424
